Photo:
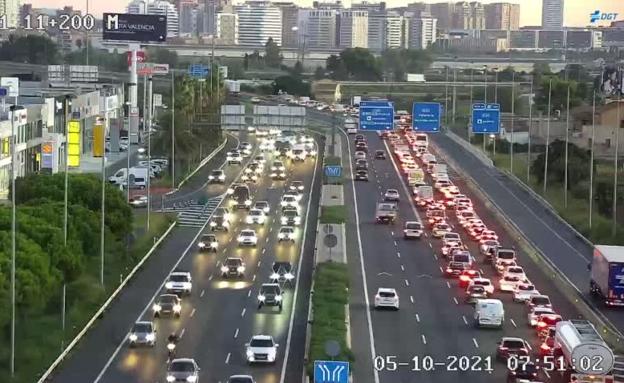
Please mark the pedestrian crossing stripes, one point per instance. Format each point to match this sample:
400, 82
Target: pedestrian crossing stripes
195, 214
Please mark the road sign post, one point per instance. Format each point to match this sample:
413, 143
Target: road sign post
331, 371
376, 115
485, 118
426, 117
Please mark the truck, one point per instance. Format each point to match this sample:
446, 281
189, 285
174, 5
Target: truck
416, 178
138, 177
350, 126
586, 355
298, 152
240, 197
386, 212
355, 101
233, 86
607, 275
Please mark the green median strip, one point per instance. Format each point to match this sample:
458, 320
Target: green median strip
333, 214
330, 295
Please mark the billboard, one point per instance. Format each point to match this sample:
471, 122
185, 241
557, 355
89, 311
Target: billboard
611, 81
134, 27
47, 155
12, 85
140, 55
148, 69
73, 143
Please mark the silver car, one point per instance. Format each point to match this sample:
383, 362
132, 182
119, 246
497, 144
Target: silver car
142, 333
183, 370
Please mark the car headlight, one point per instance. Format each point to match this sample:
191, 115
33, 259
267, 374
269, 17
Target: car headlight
212, 224
201, 244
313, 152
230, 191
278, 298
170, 378
214, 245
266, 210
248, 202
282, 168
261, 298
150, 337
249, 219
283, 203
191, 379
133, 337
300, 188
284, 220
249, 354
169, 285
280, 235
277, 152
156, 307
222, 177
289, 276
177, 308
224, 269
141, 150
211, 178
240, 269
297, 220
275, 276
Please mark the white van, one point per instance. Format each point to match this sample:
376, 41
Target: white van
489, 313
422, 140
428, 158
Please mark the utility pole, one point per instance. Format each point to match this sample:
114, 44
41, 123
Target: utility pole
567, 140
547, 137
528, 172
149, 151
591, 161
615, 168
446, 98
513, 111
173, 183
66, 196
13, 237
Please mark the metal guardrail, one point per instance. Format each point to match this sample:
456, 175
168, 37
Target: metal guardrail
204, 162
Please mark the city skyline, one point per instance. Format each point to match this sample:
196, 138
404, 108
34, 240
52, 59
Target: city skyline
576, 12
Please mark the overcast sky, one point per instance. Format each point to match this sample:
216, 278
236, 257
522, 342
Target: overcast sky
576, 11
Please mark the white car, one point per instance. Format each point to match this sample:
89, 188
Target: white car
247, 237
183, 370
286, 233
216, 176
502, 265
536, 312
179, 282
391, 195
360, 155
508, 282
262, 205
249, 177
387, 297
298, 196
515, 271
296, 186
289, 201
255, 100
235, 159
524, 291
261, 349
486, 246
485, 282
449, 238
413, 229
278, 166
256, 216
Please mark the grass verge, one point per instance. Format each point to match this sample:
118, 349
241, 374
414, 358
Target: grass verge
333, 214
330, 295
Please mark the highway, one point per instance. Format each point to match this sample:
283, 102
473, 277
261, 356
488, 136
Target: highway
433, 319
221, 315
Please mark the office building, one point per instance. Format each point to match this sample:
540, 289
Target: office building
159, 7
11, 9
257, 22
397, 28
352, 29
505, 16
137, 7
422, 31
227, 28
552, 14
290, 19
336, 5
418, 8
188, 19
444, 14
469, 15
376, 24
551, 39
317, 28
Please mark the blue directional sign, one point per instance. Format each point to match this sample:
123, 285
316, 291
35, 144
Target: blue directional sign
486, 118
333, 170
3, 92
198, 70
376, 115
331, 372
426, 117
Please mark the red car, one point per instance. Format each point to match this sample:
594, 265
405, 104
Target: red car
545, 323
467, 276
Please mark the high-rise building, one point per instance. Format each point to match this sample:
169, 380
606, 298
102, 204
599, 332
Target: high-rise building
469, 15
352, 29
165, 8
502, 16
227, 28
396, 30
417, 8
376, 24
137, 7
444, 13
10, 9
257, 22
188, 18
317, 28
290, 18
422, 30
552, 14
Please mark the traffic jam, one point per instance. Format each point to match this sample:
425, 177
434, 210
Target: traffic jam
473, 257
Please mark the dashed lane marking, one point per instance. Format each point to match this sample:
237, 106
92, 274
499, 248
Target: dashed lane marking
236, 334
455, 299
417, 318
465, 320
424, 340
243, 313
201, 295
475, 342
227, 358
193, 312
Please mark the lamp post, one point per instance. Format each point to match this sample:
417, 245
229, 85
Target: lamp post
301, 48
13, 108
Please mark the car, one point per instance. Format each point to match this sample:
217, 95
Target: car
454, 269
509, 346
233, 267
278, 166
361, 165
392, 195
548, 346
546, 322
486, 247
451, 237
508, 282
278, 175
380, 155
361, 147
290, 217
260, 159
289, 202
262, 205
255, 217
261, 349
179, 282
515, 271
535, 312
234, 158
208, 242
360, 137
484, 282
249, 176
450, 248
501, 266
143, 333
220, 219
474, 293
286, 233
386, 297
282, 272
361, 175
255, 100
138, 201
412, 229
270, 295
295, 194
439, 229
296, 186
524, 291
245, 148
183, 370
359, 155
241, 379
487, 235
526, 372
167, 304
247, 237
467, 276
216, 177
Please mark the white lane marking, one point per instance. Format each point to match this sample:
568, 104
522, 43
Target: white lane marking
435, 256
243, 313
263, 251
455, 299
249, 293
271, 229
227, 358
193, 312
417, 318
236, 334
219, 262
294, 304
475, 342
201, 295
513, 323
411, 298
406, 282
441, 269
253, 279
402, 181
430, 245
547, 374
182, 332
392, 233
395, 243
529, 346
448, 284
210, 277
465, 320
424, 340
260, 262
402, 268
365, 284
399, 254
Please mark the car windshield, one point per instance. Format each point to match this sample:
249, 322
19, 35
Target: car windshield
247, 233
511, 278
207, 238
269, 290
286, 230
261, 343
513, 344
240, 380
386, 294
182, 367
526, 287
477, 289
464, 258
442, 227
255, 212
505, 254
261, 204
178, 278
550, 320
413, 226
515, 270
451, 236
540, 301
233, 262
290, 213
217, 172
482, 282
289, 198
282, 266
142, 327
168, 299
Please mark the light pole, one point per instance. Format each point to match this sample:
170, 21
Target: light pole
66, 196
173, 183
13, 108
484, 98
300, 47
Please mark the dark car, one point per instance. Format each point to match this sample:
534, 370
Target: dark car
217, 177
361, 146
220, 219
508, 346
380, 155
270, 295
233, 267
167, 304
208, 242
454, 269
361, 175
359, 137
361, 165
282, 273
526, 372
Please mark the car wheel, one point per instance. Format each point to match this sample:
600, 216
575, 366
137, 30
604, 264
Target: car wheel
259, 306
156, 315
177, 316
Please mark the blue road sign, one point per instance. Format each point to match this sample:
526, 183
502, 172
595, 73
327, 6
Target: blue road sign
485, 118
376, 115
426, 117
3, 92
134, 27
198, 70
331, 372
333, 170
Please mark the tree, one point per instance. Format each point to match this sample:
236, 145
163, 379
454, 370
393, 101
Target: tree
541, 69
291, 85
163, 56
336, 68
31, 49
297, 69
361, 65
246, 62
272, 56
578, 159
559, 93
319, 73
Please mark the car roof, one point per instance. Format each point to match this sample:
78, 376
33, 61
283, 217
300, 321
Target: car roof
144, 322
287, 228
262, 337
386, 290
512, 338
180, 272
233, 259
184, 360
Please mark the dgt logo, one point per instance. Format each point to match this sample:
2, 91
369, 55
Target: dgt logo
601, 16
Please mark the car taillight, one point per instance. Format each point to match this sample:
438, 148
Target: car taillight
464, 278
502, 348
541, 324
545, 347
449, 270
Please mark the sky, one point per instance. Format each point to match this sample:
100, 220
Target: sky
576, 11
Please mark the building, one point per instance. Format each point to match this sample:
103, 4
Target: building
422, 31
290, 19
188, 18
550, 39
227, 28
11, 9
505, 16
377, 24
613, 37
137, 7
418, 8
258, 21
443, 13
606, 126
352, 29
469, 15
165, 8
336, 5
552, 14
524, 39
317, 28
397, 31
